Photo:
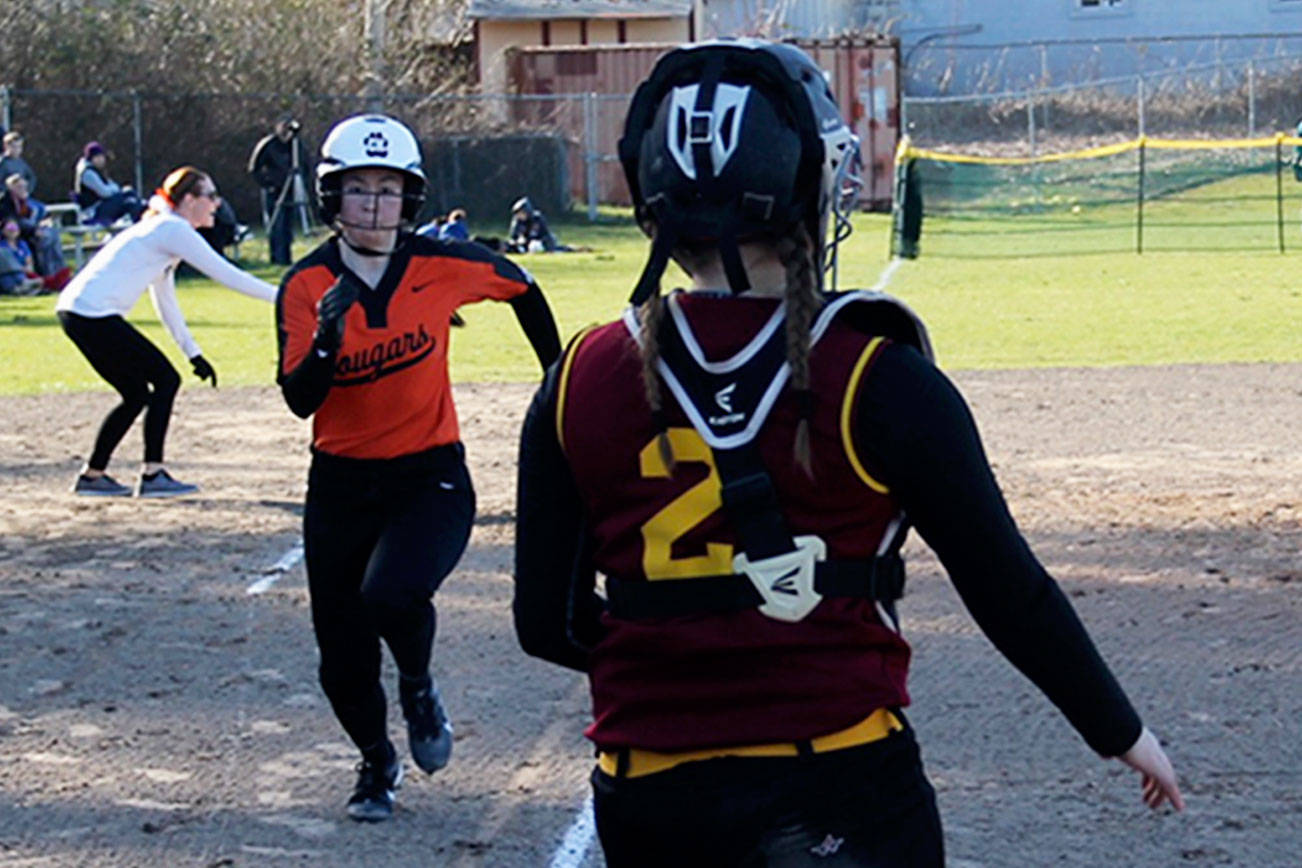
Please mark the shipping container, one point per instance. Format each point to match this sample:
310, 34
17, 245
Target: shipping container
582, 92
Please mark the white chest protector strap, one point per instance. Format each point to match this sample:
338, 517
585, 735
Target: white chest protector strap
727, 402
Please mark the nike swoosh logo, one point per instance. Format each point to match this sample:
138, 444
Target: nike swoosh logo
422, 287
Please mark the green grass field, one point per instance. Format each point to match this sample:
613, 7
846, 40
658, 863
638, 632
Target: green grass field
994, 293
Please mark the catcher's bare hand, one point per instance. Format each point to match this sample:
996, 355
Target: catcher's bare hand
1147, 757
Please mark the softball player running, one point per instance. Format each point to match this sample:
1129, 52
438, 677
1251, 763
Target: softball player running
91, 310
363, 327
742, 462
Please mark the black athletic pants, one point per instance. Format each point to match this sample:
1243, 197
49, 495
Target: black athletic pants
139, 371
861, 806
379, 537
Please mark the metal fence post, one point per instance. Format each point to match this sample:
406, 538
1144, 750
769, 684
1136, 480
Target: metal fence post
1139, 201
1139, 99
1030, 120
137, 134
1279, 189
1252, 100
6, 108
590, 155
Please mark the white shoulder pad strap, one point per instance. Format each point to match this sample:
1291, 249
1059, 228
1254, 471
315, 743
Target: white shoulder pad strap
919, 337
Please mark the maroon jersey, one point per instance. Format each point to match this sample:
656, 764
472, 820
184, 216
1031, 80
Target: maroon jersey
716, 680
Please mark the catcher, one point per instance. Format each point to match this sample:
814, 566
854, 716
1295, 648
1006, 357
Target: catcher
742, 462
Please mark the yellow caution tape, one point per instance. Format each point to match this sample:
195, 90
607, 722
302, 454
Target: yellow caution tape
907, 151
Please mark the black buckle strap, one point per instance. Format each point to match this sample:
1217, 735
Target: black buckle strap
880, 579
752, 504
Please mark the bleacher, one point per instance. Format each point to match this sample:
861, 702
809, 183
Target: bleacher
83, 236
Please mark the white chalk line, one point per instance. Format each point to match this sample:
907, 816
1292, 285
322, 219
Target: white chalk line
578, 838
888, 273
272, 574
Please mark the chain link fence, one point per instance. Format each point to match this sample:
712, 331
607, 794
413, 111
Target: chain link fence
482, 151
1210, 101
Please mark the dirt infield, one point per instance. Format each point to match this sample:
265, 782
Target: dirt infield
153, 712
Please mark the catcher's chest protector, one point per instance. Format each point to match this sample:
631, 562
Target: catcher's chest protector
729, 411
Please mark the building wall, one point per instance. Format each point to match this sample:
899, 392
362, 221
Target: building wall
789, 19
603, 32
658, 30
1094, 39
566, 33
493, 39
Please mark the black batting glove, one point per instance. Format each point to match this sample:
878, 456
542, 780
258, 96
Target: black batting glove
203, 370
330, 313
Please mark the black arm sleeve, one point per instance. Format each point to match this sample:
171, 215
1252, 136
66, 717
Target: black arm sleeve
557, 611
915, 429
539, 327
305, 388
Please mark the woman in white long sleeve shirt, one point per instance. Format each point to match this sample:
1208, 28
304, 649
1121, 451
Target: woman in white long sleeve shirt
93, 306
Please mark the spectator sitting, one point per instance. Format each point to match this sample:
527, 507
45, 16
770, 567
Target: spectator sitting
529, 232
432, 228
38, 230
102, 199
455, 229
15, 263
12, 162
12, 240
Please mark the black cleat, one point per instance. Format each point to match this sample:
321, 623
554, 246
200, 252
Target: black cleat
428, 731
372, 799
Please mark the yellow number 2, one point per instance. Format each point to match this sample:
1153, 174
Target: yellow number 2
682, 514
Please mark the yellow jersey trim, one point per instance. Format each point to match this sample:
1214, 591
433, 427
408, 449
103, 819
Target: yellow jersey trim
847, 418
570, 353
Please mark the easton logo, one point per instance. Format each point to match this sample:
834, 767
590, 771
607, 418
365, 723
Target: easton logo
375, 145
723, 398
384, 358
828, 848
786, 583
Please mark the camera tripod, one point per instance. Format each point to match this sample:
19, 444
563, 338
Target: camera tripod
293, 193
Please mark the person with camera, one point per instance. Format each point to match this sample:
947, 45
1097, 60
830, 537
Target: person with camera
276, 160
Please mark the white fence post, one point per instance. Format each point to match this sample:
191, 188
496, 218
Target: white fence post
1030, 119
1252, 99
1139, 99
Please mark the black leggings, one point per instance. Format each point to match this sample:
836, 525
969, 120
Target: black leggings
861, 806
139, 371
379, 537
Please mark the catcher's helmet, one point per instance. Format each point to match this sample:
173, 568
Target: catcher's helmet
369, 142
734, 140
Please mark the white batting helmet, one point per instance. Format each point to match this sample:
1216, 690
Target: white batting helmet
370, 142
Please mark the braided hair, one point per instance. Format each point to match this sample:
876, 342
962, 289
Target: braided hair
650, 315
802, 305
802, 300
